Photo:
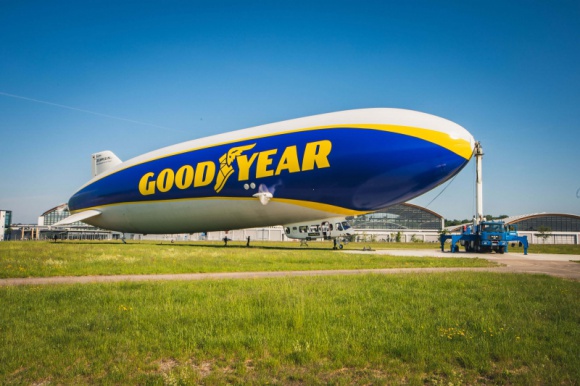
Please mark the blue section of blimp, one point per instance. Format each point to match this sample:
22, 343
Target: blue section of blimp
369, 170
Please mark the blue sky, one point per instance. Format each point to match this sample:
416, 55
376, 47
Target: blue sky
141, 75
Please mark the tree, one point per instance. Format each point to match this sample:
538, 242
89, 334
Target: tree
415, 239
443, 233
454, 222
544, 232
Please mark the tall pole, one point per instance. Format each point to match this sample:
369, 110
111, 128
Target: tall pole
478, 182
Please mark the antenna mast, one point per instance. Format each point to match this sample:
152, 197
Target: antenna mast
478, 183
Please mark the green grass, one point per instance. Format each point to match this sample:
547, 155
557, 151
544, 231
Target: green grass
565, 249
439, 329
43, 259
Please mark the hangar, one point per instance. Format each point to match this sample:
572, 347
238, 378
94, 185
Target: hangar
544, 228
76, 231
402, 217
54, 215
403, 222
548, 228
556, 222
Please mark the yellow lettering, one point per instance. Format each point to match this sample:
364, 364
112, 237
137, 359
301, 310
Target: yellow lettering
315, 157
146, 186
289, 161
205, 173
316, 154
165, 180
244, 166
264, 161
184, 177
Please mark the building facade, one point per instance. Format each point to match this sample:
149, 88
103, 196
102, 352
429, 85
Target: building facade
54, 215
75, 231
403, 222
548, 228
5, 221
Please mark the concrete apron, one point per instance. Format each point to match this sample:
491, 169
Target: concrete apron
541, 263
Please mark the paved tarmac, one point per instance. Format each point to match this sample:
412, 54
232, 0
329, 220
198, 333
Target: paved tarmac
541, 263
555, 265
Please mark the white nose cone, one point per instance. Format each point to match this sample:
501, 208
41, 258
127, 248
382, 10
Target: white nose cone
443, 131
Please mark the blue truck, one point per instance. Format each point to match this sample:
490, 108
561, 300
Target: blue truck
486, 237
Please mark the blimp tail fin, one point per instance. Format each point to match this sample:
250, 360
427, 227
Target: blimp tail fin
103, 161
78, 217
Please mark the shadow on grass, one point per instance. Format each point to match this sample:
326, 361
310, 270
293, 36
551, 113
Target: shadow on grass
244, 247
217, 245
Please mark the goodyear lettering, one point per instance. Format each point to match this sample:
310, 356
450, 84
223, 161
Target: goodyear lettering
165, 180
315, 156
146, 186
244, 166
289, 161
264, 161
205, 174
184, 177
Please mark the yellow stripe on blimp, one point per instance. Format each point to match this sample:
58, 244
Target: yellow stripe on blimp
306, 204
458, 146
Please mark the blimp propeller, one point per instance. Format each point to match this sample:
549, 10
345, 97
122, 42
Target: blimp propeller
264, 195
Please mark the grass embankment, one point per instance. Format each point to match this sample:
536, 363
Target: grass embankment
43, 259
447, 328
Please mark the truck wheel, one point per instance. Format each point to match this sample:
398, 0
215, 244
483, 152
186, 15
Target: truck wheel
501, 250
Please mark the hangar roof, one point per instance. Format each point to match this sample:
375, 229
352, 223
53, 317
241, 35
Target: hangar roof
522, 217
556, 222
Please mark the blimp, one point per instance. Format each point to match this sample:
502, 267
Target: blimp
331, 165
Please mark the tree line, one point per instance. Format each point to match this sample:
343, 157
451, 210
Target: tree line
488, 217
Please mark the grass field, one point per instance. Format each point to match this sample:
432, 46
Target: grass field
42, 259
439, 329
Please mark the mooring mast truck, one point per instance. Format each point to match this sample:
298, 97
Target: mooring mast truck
487, 236
484, 236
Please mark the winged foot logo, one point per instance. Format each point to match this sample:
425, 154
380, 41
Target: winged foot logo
262, 163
